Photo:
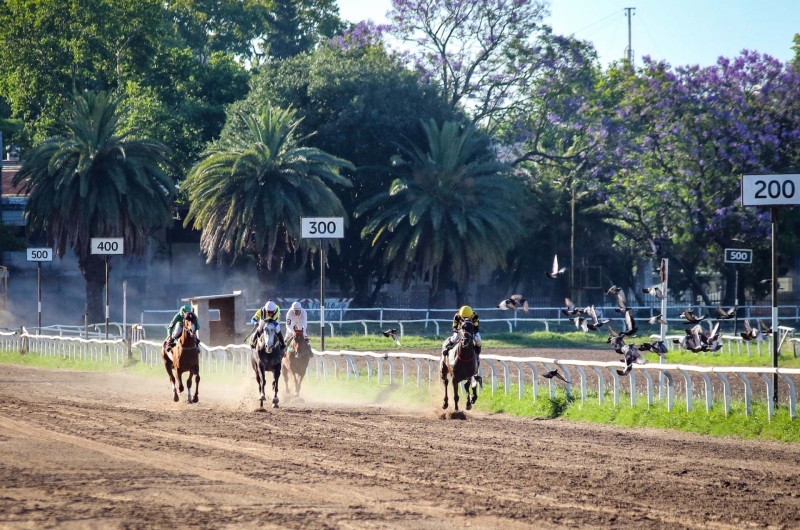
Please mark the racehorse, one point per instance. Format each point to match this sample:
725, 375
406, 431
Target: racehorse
185, 357
461, 364
295, 362
267, 357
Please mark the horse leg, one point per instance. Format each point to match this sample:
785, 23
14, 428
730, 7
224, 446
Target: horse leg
168, 366
276, 376
189, 387
179, 373
286, 372
455, 393
298, 382
444, 381
196, 384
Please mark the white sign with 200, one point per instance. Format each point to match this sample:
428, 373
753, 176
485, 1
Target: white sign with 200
770, 190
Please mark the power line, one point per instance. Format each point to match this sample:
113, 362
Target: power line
651, 37
595, 23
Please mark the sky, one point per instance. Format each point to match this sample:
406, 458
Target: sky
678, 31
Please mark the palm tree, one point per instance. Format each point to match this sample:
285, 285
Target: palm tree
452, 212
254, 184
96, 180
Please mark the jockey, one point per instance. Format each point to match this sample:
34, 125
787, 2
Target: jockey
175, 328
296, 319
465, 313
270, 311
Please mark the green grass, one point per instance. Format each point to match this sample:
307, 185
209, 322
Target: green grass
537, 339
786, 359
55, 362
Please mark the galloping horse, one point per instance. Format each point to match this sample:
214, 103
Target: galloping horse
295, 362
461, 364
185, 357
266, 357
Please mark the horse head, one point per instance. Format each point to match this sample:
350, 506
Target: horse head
189, 326
467, 332
271, 328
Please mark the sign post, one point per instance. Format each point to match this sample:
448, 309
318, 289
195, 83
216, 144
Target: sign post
107, 246
772, 191
664, 285
322, 228
737, 256
39, 255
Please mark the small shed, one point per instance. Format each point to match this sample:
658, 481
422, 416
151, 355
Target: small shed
222, 317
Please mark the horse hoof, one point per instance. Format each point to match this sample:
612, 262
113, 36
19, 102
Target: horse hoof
275, 400
444, 405
175, 397
275, 406
196, 399
469, 406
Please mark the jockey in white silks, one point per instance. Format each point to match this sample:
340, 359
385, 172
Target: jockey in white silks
296, 319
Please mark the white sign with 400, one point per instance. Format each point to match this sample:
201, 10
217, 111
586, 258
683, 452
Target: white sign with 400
108, 245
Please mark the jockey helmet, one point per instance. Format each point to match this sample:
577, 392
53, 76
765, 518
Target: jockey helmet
270, 307
466, 312
186, 309
296, 306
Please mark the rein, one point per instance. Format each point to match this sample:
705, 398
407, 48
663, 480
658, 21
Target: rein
458, 354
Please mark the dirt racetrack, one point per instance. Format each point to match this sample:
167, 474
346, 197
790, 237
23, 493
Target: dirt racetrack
110, 450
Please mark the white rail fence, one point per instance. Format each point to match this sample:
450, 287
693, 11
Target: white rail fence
424, 368
436, 321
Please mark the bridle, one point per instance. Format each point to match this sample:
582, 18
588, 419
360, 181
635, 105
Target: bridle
466, 340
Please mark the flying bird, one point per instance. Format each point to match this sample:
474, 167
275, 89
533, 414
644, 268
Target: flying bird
392, 333
655, 291
616, 340
658, 347
765, 330
515, 302
630, 324
581, 323
750, 333
554, 373
690, 318
571, 310
656, 319
654, 248
621, 300
726, 314
555, 272
632, 356
613, 290
595, 323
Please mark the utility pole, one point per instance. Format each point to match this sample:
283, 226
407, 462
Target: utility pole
630, 11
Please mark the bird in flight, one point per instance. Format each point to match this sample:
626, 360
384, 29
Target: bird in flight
392, 333
555, 272
514, 302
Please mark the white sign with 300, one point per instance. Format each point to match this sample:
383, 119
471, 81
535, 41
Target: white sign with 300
322, 227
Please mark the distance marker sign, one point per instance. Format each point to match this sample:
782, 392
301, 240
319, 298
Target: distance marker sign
770, 190
322, 227
738, 255
108, 245
40, 254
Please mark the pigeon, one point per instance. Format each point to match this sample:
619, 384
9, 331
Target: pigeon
765, 330
571, 310
632, 356
555, 272
630, 324
694, 341
726, 314
596, 323
554, 373
655, 291
515, 302
616, 340
392, 333
621, 300
613, 290
712, 335
766, 282
656, 320
658, 347
655, 248
581, 324
750, 333
690, 317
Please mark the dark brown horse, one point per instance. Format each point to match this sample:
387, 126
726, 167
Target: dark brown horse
461, 364
295, 362
267, 357
184, 357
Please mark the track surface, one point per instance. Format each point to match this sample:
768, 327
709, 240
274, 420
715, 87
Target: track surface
98, 450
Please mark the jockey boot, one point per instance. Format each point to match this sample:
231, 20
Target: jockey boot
197, 342
170, 343
254, 340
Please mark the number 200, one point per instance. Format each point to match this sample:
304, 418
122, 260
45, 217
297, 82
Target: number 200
774, 189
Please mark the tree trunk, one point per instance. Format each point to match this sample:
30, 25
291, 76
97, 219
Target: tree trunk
93, 269
436, 298
697, 287
729, 297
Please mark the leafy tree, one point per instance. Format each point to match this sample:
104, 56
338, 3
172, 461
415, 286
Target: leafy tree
450, 215
253, 186
96, 181
470, 47
295, 26
358, 103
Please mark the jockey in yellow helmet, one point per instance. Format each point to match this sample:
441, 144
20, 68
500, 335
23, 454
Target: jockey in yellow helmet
465, 313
